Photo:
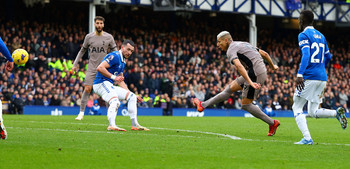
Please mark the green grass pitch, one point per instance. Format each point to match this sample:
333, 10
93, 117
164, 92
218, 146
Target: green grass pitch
173, 142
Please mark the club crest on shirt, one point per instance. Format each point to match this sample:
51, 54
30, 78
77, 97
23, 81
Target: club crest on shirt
110, 57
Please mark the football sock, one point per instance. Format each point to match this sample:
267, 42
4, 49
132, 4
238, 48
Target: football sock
316, 112
301, 122
256, 112
325, 113
112, 111
132, 109
84, 100
81, 113
219, 97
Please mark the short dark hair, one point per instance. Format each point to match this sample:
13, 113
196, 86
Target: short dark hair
99, 18
126, 41
307, 16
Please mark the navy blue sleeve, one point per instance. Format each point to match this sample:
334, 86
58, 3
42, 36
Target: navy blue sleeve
5, 51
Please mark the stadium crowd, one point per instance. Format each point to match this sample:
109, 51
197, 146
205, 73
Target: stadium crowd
168, 68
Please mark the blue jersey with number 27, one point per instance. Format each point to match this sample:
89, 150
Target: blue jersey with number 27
315, 54
117, 65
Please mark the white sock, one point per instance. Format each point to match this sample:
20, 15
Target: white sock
132, 109
1, 110
111, 115
325, 113
301, 122
81, 113
112, 111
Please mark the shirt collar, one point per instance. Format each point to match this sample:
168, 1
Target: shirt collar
121, 55
309, 27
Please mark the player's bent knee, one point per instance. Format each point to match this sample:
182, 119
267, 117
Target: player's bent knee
132, 97
228, 90
114, 103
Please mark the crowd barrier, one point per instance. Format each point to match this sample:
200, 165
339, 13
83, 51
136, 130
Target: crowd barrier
59, 111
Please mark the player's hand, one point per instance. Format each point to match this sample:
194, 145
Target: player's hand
139, 99
9, 66
256, 85
119, 79
300, 83
274, 67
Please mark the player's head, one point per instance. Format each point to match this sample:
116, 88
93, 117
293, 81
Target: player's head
306, 18
224, 39
99, 23
127, 48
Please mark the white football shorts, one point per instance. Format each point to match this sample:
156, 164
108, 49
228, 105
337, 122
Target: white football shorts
313, 90
107, 91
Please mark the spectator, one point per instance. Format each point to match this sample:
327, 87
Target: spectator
238, 104
55, 101
200, 94
343, 99
39, 100
269, 111
18, 104
30, 101
95, 110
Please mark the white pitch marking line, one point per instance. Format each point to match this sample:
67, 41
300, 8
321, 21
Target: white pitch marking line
192, 131
102, 132
202, 132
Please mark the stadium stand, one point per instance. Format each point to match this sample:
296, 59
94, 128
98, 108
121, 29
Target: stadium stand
175, 60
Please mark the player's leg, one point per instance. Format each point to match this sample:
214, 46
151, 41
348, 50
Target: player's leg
114, 104
249, 94
89, 80
131, 98
84, 100
248, 106
106, 91
316, 112
3, 133
339, 114
222, 96
300, 119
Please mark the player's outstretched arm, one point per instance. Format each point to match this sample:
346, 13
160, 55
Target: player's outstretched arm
81, 53
6, 53
244, 73
267, 57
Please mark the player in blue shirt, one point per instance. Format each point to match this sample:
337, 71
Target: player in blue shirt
9, 66
109, 71
312, 77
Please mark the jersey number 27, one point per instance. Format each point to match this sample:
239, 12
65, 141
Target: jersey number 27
317, 51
